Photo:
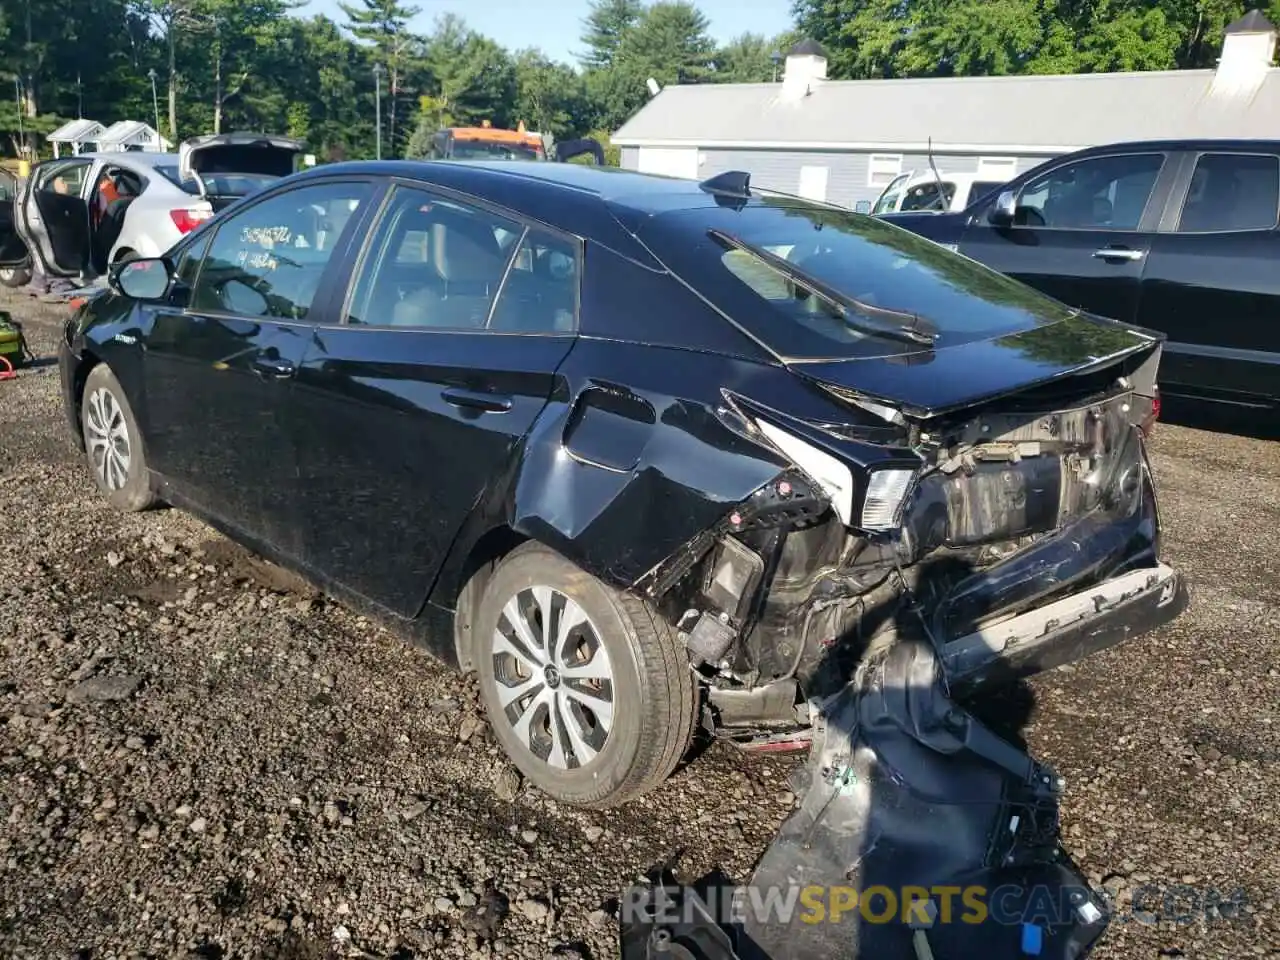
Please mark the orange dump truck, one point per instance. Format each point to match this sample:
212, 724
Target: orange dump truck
492, 143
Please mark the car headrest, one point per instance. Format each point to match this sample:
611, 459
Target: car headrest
464, 250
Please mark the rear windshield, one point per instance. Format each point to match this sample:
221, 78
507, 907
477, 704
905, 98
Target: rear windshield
924, 196
486, 150
219, 184
863, 258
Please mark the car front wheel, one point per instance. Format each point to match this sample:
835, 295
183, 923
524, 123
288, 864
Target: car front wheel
113, 443
586, 687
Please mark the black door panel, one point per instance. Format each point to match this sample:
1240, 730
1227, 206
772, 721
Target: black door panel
13, 251
217, 415
1097, 271
65, 219
220, 372
1218, 299
1080, 231
400, 433
1212, 283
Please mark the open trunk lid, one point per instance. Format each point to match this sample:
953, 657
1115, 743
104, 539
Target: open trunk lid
228, 166
936, 380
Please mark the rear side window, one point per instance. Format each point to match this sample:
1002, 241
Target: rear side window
896, 277
1232, 192
171, 174
445, 265
925, 196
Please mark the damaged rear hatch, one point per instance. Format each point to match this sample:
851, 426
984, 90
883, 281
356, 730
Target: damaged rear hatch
227, 166
995, 435
999, 515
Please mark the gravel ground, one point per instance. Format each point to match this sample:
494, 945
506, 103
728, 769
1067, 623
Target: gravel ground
201, 758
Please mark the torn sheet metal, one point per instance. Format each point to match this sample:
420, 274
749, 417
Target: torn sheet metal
921, 834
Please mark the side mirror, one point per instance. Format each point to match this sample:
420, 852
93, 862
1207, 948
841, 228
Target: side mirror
1003, 210
862, 206
144, 280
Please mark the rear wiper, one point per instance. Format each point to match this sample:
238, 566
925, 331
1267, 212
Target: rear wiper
903, 326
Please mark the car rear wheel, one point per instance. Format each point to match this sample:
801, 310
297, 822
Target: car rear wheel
113, 443
15, 276
586, 687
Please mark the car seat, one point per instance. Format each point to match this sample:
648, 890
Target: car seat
466, 267
112, 222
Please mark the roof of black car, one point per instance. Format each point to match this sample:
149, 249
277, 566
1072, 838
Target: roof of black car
1233, 146
637, 190
605, 204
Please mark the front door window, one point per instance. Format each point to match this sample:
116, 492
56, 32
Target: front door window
1102, 193
269, 260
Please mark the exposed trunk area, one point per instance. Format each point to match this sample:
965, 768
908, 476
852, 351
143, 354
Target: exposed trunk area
1013, 503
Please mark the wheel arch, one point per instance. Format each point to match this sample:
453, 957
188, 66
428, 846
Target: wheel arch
463, 590
88, 360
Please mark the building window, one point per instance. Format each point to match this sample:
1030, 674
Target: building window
883, 168
1001, 169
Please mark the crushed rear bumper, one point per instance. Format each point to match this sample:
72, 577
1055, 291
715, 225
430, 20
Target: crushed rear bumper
1068, 629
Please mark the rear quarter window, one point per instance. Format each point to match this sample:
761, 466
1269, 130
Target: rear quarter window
170, 173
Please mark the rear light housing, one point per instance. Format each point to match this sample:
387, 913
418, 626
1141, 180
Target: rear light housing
886, 492
1149, 421
830, 474
187, 219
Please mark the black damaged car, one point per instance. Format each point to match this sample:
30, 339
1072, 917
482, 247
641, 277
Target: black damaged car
643, 453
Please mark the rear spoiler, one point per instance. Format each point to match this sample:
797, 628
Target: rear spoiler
568, 149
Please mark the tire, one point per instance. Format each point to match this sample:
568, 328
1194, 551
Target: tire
124, 256
650, 692
113, 443
15, 276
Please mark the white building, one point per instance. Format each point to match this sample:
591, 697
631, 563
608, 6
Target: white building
132, 135
77, 136
843, 141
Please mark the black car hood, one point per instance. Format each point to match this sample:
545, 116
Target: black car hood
940, 379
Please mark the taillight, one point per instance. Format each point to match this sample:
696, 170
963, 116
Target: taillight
1149, 422
187, 219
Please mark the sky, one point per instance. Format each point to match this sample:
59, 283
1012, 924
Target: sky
555, 25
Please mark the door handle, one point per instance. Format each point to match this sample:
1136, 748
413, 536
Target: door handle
274, 367
476, 400
1119, 253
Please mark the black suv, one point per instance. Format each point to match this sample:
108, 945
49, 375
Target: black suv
1177, 236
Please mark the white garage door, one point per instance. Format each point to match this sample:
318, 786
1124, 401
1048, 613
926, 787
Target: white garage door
669, 161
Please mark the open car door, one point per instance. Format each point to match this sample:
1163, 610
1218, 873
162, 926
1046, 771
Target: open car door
568, 149
53, 217
13, 251
228, 166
